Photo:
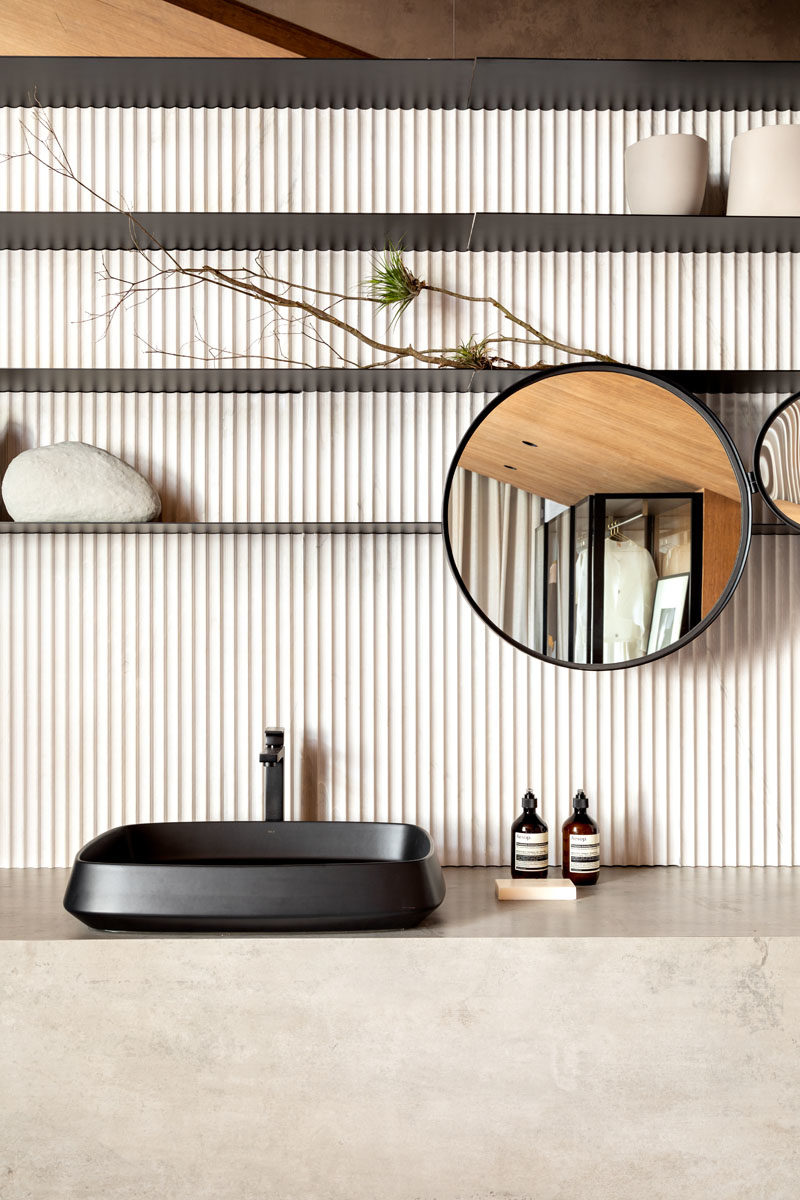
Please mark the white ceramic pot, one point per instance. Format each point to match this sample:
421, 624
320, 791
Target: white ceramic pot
765, 173
667, 174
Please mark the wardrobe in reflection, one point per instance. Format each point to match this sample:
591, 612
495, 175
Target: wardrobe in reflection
610, 579
620, 548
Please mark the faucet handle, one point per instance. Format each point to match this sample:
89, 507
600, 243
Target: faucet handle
273, 747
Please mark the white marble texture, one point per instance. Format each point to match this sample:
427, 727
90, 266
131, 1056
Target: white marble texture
468, 1070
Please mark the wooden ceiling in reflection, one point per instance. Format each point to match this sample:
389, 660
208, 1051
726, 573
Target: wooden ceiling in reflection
599, 431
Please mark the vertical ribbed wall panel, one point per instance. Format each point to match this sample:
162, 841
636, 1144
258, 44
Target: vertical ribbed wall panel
136, 675
312, 456
346, 160
731, 311
136, 672
287, 457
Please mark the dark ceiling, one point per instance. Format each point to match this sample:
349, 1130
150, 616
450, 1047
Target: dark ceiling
693, 29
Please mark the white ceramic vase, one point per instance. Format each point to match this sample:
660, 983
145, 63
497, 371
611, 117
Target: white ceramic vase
765, 173
667, 174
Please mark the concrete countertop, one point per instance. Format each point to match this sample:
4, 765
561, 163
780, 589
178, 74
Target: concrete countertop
628, 902
660, 1010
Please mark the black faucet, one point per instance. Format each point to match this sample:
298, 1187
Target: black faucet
272, 758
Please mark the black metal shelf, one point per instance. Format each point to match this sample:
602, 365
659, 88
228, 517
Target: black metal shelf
651, 233
281, 380
483, 83
774, 529
334, 528
478, 232
734, 383
157, 528
235, 231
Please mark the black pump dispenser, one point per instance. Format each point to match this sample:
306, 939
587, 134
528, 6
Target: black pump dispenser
530, 846
580, 845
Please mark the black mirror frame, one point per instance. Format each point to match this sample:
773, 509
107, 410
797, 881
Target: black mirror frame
738, 470
759, 478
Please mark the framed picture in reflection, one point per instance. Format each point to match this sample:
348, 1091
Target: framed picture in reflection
669, 607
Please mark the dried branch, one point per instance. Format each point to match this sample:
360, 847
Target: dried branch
392, 287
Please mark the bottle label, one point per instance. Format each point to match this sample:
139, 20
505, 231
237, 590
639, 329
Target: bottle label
530, 851
584, 852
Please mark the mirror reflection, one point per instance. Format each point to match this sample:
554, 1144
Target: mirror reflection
779, 461
594, 516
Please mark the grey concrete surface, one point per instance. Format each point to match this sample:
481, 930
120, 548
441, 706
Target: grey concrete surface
351, 1069
628, 902
640, 1041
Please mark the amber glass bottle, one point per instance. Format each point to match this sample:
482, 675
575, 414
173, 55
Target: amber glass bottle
529, 842
580, 860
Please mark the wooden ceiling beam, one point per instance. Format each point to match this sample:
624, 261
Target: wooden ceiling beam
274, 30
120, 28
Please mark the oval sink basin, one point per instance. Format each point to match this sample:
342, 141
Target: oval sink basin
256, 876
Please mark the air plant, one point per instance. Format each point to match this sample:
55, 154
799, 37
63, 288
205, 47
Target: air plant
392, 287
473, 354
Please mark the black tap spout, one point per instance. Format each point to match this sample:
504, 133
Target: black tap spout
272, 757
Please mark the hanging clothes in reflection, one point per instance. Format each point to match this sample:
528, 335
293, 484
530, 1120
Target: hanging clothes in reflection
558, 585
551, 645
630, 585
678, 559
581, 605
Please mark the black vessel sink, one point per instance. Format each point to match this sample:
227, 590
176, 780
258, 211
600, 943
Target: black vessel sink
251, 876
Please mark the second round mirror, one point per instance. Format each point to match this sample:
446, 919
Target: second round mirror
777, 461
597, 516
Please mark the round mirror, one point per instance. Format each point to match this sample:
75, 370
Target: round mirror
777, 461
597, 516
